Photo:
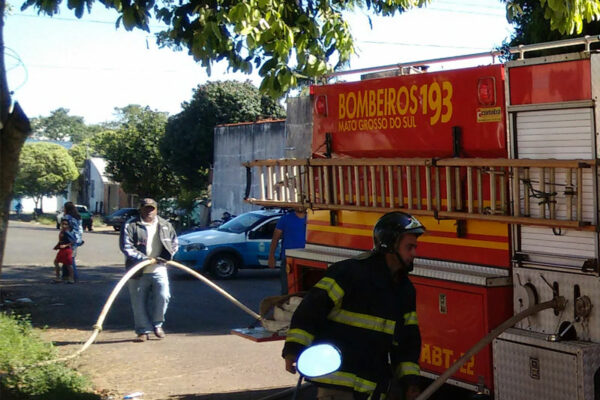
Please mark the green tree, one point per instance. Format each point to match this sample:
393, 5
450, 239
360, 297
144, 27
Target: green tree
565, 17
132, 153
45, 169
188, 143
532, 26
59, 125
79, 153
288, 41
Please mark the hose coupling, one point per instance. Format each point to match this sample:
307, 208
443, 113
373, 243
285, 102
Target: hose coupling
560, 303
97, 327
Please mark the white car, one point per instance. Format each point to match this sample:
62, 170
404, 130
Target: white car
242, 242
86, 217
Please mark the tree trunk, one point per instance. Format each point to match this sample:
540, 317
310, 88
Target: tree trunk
14, 129
12, 136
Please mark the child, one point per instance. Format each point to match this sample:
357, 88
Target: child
65, 252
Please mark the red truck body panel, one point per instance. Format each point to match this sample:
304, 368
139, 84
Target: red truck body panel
413, 115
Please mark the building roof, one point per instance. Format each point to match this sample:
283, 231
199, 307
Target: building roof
100, 165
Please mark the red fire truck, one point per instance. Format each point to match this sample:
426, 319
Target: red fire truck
499, 163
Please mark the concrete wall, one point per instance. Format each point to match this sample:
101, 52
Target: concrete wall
298, 127
49, 204
236, 144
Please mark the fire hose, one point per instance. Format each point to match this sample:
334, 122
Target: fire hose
557, 303
115, 292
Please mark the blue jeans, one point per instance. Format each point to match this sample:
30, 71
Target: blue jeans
149, 300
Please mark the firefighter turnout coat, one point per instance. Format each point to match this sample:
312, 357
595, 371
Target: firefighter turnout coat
359, 308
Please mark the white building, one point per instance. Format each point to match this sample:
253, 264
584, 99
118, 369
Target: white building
99, 193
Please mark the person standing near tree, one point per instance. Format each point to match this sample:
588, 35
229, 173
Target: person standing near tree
291, 229
145, 237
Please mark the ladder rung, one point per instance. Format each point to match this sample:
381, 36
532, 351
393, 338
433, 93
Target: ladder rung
460, 188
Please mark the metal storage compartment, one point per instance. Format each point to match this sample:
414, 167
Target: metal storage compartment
457, 305
527, 366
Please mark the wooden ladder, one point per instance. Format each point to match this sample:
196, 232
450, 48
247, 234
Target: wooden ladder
555, 193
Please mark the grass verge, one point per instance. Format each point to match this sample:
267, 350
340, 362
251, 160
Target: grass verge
46, 219
97, 221
20, 346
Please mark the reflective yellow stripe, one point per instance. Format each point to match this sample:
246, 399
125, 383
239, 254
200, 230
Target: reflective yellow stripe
407, 368
348, 380
362, 321
299, 336
334, 291
411, 318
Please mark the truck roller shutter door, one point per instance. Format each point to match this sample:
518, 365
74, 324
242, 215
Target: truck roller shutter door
557, 134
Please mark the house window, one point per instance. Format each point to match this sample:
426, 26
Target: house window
92, 188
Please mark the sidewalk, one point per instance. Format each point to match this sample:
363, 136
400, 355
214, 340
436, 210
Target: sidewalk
178, 367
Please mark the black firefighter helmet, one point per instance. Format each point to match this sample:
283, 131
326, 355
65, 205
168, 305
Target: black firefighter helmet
391, 226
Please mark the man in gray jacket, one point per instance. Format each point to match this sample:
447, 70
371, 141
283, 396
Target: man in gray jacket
144, 237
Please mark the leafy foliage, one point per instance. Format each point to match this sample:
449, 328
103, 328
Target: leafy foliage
565, 16
21, 346
532, 26
79, 153
188, 143
45, 169
132, 152
287, 41
61, 126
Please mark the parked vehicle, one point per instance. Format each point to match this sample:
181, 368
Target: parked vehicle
214, 224
501, 163
86, 217
243, 242
118, 218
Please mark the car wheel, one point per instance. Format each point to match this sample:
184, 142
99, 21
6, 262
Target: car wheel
116, 228
223, 266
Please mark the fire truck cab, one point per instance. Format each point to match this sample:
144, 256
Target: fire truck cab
499, 162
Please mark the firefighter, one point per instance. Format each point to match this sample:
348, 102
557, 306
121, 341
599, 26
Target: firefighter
366, 307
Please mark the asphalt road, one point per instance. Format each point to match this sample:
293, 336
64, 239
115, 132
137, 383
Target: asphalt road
31, 244
199, 359
194, 307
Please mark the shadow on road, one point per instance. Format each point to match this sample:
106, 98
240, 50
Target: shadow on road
194, 308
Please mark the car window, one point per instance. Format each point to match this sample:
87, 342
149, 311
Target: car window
241, 223
265, 231
124, 211
82, 209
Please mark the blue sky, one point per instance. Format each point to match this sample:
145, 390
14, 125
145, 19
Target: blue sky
90, 67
